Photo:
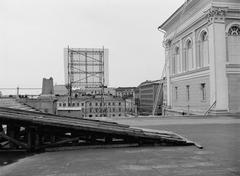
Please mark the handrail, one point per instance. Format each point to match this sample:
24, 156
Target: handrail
210, 108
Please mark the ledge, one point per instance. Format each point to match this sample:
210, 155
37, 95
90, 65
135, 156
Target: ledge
190, 72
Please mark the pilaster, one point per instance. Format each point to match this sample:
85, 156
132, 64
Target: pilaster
217, 56
194, 50
167, 45
180, 56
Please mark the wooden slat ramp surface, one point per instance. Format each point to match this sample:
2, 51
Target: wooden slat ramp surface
34, 131
15, 104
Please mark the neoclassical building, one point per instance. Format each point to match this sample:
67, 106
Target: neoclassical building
202, 44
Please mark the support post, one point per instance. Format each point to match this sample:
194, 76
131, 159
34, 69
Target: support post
12, 132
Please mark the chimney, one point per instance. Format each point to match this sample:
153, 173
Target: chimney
47, 86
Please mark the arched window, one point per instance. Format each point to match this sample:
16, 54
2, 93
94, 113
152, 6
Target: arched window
203, 59
234, 30
233, 44
175, 60
188, 56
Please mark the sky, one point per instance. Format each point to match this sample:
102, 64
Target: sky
33, 34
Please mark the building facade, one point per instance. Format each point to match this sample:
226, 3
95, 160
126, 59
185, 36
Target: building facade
91, 106
146, 93
125, 92
202, 43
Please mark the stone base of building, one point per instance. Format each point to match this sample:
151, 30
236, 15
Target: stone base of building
183, 112
219, 112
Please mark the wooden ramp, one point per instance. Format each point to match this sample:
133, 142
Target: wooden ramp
34, 131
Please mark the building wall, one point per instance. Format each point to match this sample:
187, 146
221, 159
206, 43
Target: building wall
131, 107
112, 108
234, 92
93, 107
147, 96
220, 51
146, 99
125, 92
198, 98
70, 113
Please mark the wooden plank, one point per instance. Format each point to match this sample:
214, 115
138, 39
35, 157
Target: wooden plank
92, 147
57, 116
103, 128
14, 140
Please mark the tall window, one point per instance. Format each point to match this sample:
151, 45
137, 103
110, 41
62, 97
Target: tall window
203, 59
188, 92
203, 90
175, 62
173, 65
188, 56
176, 93
233, 43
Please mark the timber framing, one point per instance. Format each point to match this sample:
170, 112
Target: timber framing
36, 131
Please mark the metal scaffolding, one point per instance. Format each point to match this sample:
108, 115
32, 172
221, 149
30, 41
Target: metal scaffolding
86, 68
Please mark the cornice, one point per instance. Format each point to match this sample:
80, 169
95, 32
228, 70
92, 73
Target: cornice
233, 69
215, 12
189, 23
191, 74
231, 6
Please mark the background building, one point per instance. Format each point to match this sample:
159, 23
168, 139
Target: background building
125, 92
91, 106
202, 41
60, 90
46, 101
145, 96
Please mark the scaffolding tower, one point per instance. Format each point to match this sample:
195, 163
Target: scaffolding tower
86, 68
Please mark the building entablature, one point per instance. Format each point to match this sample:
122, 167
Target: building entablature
201, 72
233, 68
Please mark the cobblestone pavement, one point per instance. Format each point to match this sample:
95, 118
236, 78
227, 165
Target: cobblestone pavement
220, 156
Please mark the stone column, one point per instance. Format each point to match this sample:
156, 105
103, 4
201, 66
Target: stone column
217, 56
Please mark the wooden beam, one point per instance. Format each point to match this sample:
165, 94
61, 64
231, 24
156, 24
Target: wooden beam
60, 142
14, 140
1, 128
13, 132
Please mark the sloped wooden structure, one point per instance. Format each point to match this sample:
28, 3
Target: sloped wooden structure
13, 103
35, 131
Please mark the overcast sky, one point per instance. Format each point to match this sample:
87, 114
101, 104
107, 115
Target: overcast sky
33, 34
